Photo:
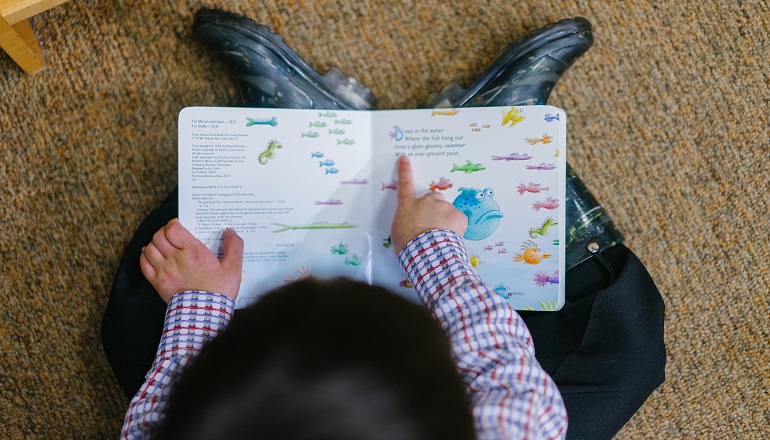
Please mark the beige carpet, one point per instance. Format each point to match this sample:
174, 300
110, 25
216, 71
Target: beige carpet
668, 127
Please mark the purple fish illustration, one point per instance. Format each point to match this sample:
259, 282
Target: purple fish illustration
542, 166
513, 156
542, 278
549, 117
392, 185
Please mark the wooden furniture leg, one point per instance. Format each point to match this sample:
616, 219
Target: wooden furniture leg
19, 41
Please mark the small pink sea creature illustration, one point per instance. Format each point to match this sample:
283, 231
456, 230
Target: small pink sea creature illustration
354, 182
488, 248
392, 185
499, 243
531, 187
405, 283
502, 251
513, 156
548, 203
542, 278
542, 166
442, 184
329, 202
302, 273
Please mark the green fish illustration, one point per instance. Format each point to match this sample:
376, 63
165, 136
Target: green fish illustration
327, 115
336, 131
319, 225
310, 134
265, 121
346, 141
387, 242
318, 124
342, 121
340, 249
469, 167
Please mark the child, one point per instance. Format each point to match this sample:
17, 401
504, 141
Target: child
337, 359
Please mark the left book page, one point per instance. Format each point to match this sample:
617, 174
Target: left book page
295, 184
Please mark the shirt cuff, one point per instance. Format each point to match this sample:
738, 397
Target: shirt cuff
193, 318
433, 260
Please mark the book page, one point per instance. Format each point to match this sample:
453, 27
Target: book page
505, 169
295, 184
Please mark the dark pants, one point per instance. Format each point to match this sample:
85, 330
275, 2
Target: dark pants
604, 349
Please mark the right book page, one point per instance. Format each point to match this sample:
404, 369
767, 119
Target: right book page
504, 168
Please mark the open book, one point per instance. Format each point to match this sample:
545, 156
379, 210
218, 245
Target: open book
312, 192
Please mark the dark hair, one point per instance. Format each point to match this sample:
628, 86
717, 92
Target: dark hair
317, 360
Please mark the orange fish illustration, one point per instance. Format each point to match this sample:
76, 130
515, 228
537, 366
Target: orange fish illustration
531, 255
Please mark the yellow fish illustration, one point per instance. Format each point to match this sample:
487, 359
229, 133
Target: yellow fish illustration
475, 261
444, 112
557, 153
514, 116
544, 140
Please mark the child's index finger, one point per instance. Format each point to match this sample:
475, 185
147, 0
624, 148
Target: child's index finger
405, 188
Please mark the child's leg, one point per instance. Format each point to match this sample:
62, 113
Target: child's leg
605, 348
133, 321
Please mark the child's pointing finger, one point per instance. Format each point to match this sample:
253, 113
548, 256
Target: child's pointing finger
405, 188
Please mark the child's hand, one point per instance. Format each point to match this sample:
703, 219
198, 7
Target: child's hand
415, 216
176, 261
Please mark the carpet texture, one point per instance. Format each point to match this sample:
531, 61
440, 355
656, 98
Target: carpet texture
668, 127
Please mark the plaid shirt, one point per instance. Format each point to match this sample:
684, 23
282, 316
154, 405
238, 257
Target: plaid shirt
512, 396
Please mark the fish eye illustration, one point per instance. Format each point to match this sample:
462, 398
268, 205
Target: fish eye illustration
479, 195
489, 193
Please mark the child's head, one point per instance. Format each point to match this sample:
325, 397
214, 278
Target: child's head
323, 360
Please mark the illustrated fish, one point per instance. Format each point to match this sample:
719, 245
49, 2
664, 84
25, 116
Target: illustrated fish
444, 112
542, 278
542, 166
387, 242
482, 211
442, 185
336, 131
469, 167
502, 251
329, 202
318, 124
353, 260
550, 117
488, 248
512, 116
499, 243
327, 115
531, 187
340, 249
331, 171
354, 182
475, 129
266, 121
543, 140
502, 290
473, 124
327, 163
557, 153
513, 156
485, 126
548, 203
475, 261
392, 185
310, 134
345, 141
405, 283
316, 154
317, 225
531, 255
342, 121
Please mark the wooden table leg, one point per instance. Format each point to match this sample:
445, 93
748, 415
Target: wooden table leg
19, 41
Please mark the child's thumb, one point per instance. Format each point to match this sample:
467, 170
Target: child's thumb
232, 252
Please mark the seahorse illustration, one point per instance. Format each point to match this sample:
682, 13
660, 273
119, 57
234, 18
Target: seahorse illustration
269, 153
543, 229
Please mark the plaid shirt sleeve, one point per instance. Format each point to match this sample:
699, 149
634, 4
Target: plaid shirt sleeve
192, 318
512, 396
